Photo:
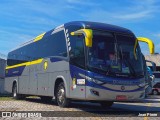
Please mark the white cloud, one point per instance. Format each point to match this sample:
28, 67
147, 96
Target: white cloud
135, 11
82, 2
139, 10
136, 15
9, 40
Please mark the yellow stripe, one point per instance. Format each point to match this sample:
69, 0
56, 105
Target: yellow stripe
36, 61
135, 45
25, 64
39, 37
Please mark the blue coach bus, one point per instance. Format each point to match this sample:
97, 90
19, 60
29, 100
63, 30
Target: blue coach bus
80, 60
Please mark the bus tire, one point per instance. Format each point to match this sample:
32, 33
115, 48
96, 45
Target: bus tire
15, 93
61, 99
106, 104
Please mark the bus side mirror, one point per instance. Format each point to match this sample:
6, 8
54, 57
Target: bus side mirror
152, 64
87, 33
149, 42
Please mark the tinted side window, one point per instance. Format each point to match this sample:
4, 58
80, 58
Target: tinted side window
17, 56
12, 59
54, 45
77, 52
77, 56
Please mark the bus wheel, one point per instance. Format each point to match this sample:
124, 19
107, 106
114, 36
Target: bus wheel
15, 94
61, 99
106, 104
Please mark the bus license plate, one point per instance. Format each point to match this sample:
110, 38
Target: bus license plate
121, 97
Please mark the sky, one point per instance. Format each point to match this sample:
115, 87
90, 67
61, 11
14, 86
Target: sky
22, 20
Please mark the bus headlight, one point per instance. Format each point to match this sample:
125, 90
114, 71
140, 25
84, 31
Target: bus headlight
97, 81
94, 80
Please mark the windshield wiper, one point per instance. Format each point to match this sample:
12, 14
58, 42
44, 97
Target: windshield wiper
123, 57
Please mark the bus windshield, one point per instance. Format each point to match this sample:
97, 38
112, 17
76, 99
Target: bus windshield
113, 54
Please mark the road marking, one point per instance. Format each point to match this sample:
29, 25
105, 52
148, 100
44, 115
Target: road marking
148, 105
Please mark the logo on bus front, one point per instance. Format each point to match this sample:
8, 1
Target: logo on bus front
122, 88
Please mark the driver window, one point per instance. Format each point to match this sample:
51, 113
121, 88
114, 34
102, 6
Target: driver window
77, 51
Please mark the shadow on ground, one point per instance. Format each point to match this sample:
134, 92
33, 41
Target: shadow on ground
94, 109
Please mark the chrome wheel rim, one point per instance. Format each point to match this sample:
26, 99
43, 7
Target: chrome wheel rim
61, 96
14, 92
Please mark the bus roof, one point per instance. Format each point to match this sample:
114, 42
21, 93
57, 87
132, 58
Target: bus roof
97, 25
83, 24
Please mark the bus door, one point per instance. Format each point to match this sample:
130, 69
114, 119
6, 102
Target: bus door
77, 67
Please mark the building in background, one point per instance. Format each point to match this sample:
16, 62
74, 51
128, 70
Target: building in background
2, 72
154, 58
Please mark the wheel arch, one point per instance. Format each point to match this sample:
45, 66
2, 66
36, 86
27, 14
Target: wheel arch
15, 82
58, 80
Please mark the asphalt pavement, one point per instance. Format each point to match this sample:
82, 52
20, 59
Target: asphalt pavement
146, 109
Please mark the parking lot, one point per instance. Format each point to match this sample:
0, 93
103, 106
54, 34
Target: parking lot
84, 109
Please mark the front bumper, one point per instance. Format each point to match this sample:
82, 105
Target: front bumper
106, 95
